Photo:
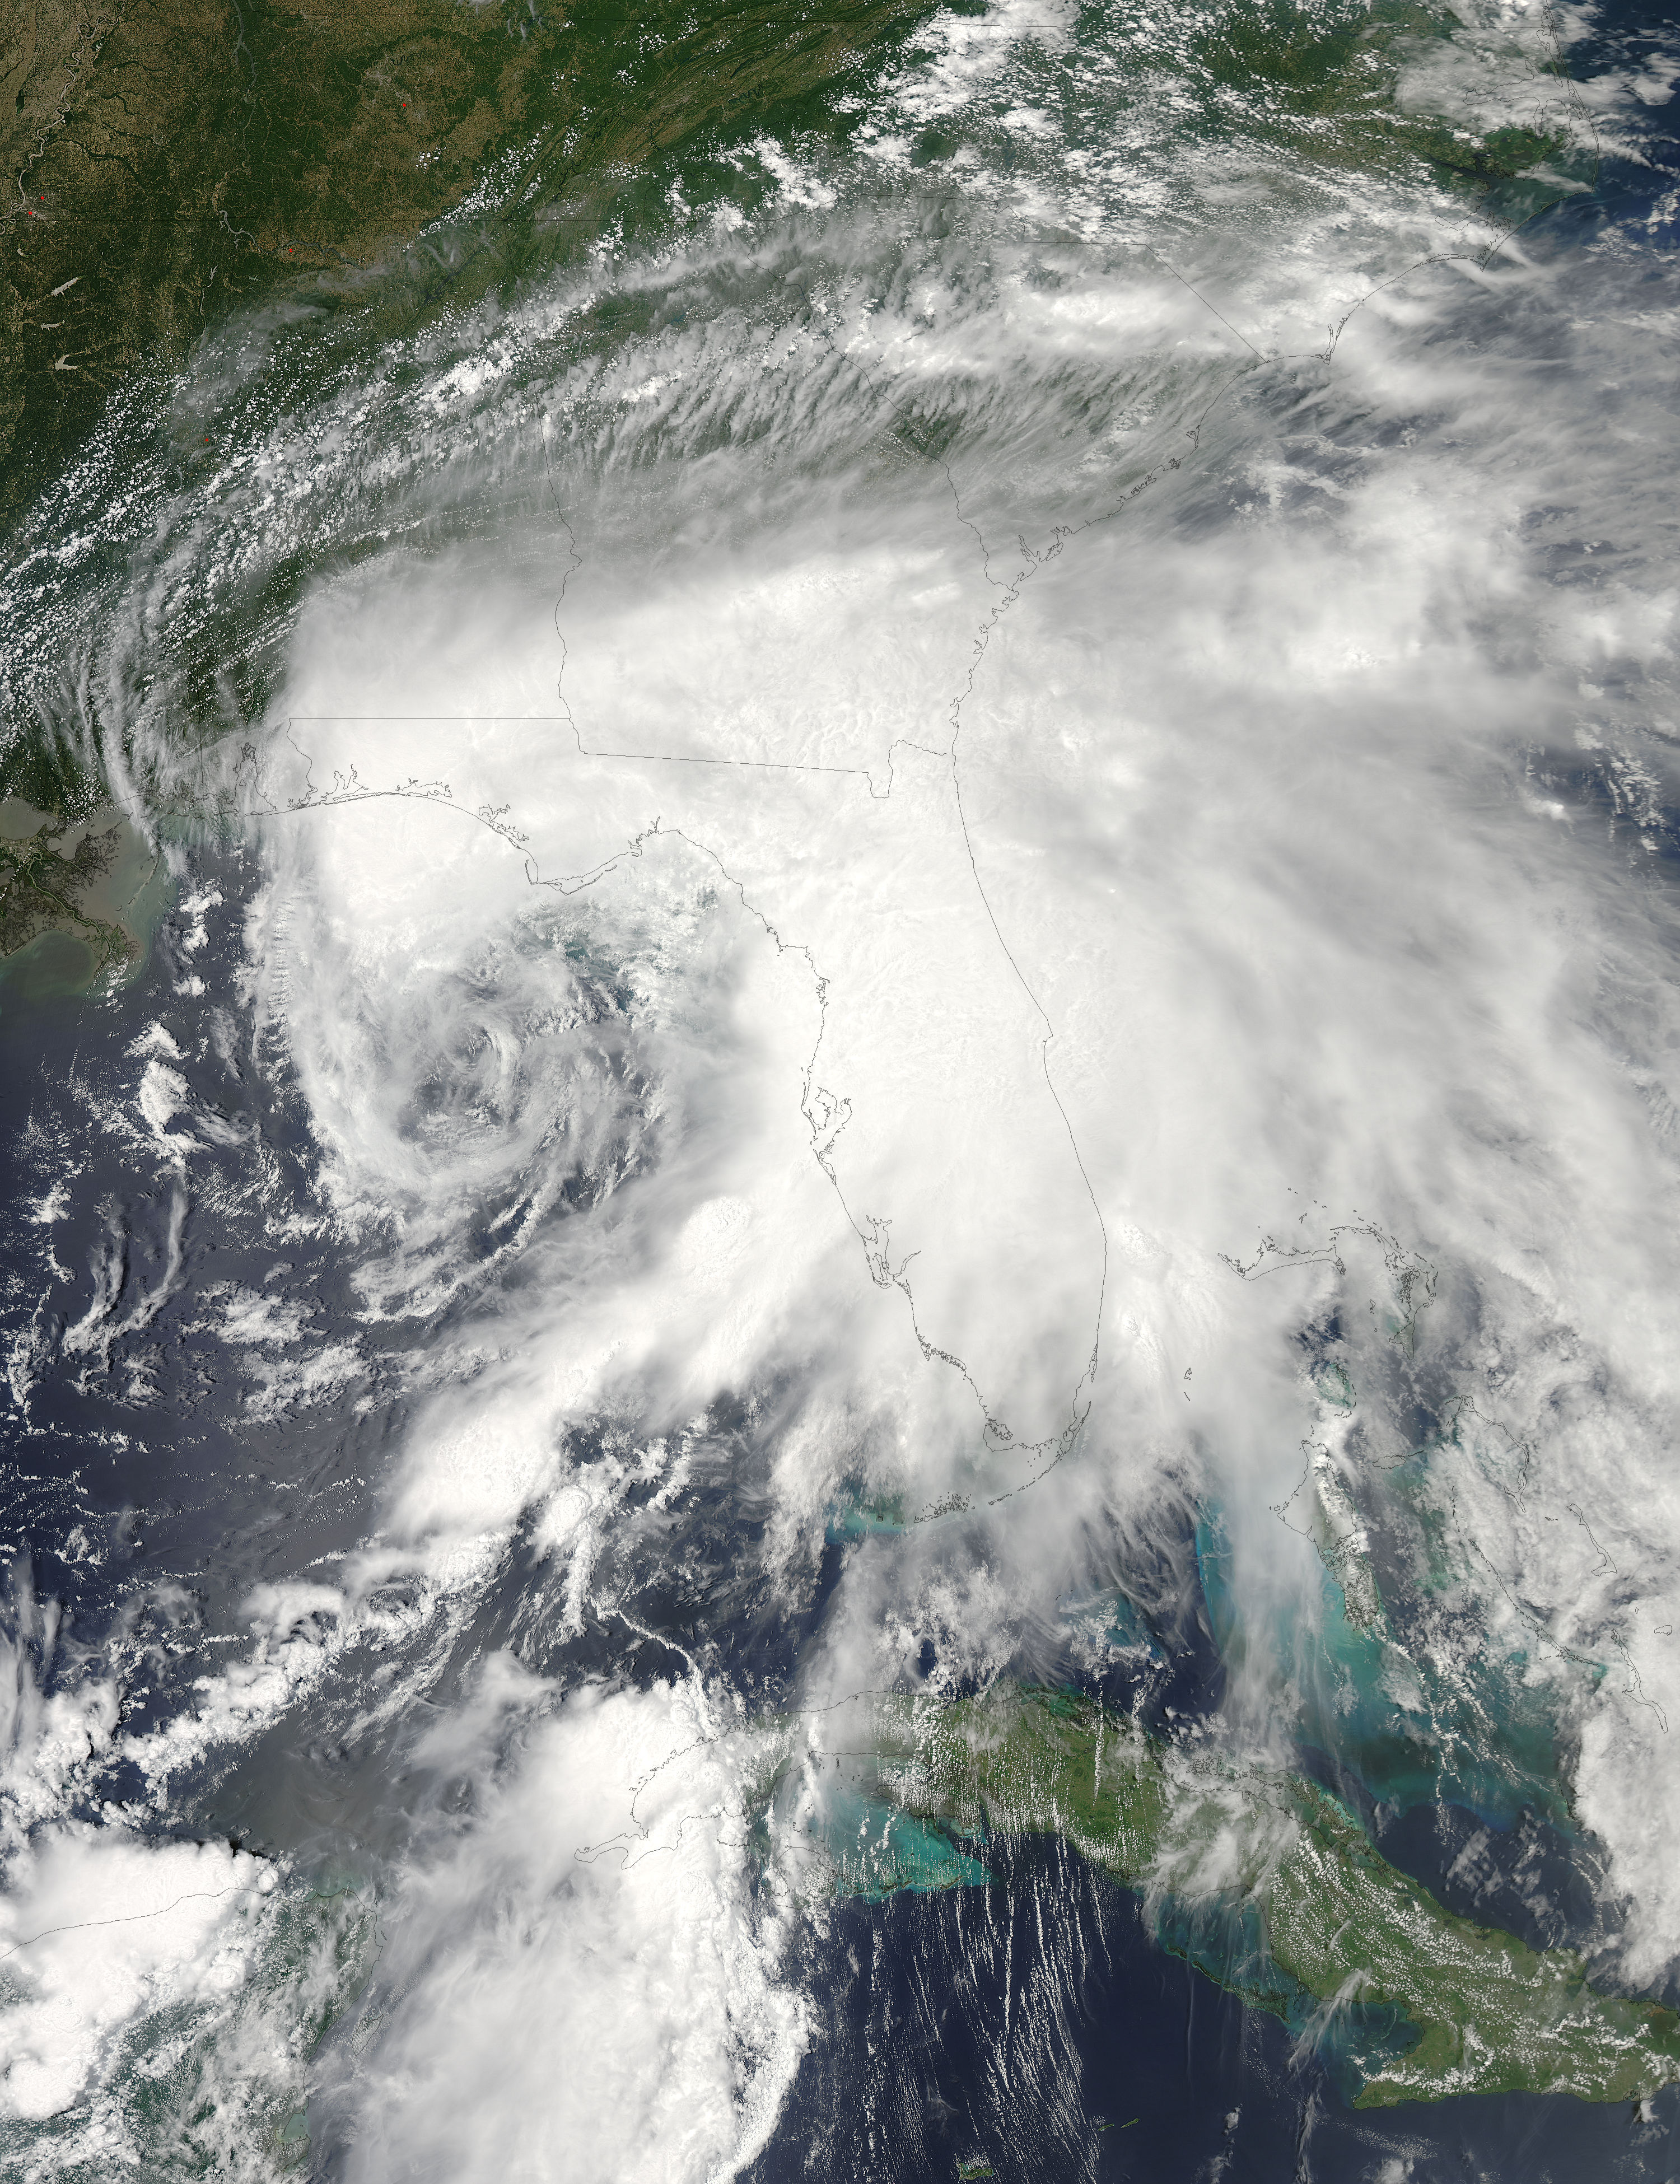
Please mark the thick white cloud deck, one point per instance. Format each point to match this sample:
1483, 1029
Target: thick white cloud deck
960, 895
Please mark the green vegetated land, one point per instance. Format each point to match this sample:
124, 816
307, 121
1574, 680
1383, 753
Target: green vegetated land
46, 882
1321, 78
1270, 1885
164, 159
167, 163
69, 863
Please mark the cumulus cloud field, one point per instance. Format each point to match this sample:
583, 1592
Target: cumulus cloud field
1006, 879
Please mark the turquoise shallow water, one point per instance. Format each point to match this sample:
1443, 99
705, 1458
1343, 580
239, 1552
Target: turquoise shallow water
1477, 1735
436, 1440
878, 1849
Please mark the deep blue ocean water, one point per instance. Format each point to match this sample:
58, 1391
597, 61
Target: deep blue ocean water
1031, 2027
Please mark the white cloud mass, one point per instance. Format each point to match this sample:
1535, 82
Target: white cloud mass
991, 848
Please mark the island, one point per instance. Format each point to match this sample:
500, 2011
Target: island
1270, 1885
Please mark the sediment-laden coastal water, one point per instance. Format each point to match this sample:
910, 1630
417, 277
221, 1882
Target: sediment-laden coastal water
838, 1095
